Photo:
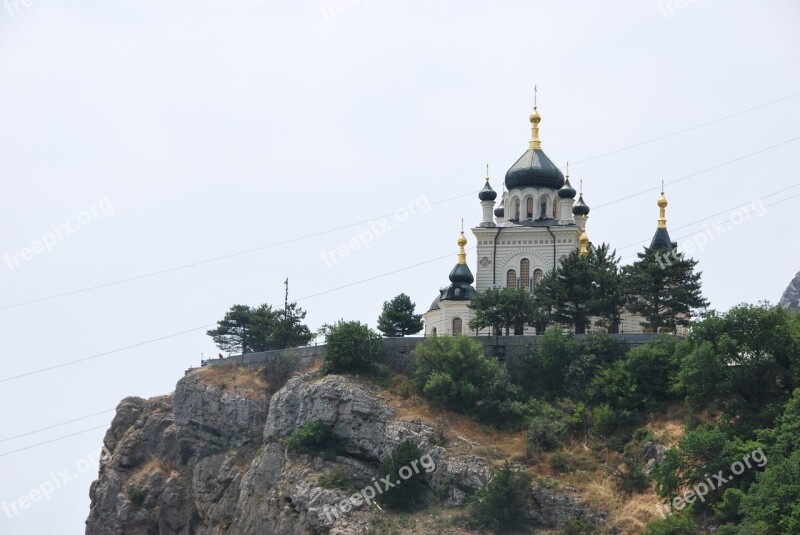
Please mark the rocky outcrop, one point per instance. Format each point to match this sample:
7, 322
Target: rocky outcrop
211, 460
791, 297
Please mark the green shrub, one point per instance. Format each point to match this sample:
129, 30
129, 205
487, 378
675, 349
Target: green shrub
727, 510
409, 493
351, 346
575, 526
501, 505
604, 420
453, 372
561, 463
338, 479
544, 433
137, 495
312, 437
672, 525
631, 477
643, 435
547, 425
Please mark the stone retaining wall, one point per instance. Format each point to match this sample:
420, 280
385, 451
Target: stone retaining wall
398, 354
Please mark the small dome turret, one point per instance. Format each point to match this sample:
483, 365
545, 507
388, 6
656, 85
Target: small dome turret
567, 191
487, 193
580, 207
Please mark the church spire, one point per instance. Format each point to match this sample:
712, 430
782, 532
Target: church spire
535, 143
662, 208
462, 241
661, 239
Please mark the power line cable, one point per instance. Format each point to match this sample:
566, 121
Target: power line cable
319, 294
239, 253
248, 251
349, 225
695, 127
98, 355
694, 222
53, 440
55, 425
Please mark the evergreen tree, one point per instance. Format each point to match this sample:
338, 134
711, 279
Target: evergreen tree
663, 288
351, 346
246, 329
288, 331
398, 318
609, 298
570, 292
504, 309
233, 330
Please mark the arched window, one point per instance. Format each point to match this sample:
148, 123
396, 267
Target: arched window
537, 277
554, 211
516, 209
543, 208
456, 326
529, 207
511, 279
525, 273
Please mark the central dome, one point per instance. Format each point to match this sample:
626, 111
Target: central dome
534, 169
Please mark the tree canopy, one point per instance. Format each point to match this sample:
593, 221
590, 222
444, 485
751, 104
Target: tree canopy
663, 288
246, 329
398, 318
507, 309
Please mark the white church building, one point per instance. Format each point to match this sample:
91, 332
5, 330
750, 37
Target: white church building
537, 223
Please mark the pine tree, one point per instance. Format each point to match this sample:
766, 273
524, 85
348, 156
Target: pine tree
231, 334
570, 292
504, 309
662, 287
609, 299
398, 318
246, 329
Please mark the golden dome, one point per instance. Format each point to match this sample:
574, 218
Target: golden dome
535, 117
584, 241
462, 253
662, 201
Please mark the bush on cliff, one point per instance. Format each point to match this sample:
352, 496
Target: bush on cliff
453, 372
403, 470
312, 437
502, 504
351, 347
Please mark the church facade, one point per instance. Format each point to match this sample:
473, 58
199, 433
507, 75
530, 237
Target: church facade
538, 221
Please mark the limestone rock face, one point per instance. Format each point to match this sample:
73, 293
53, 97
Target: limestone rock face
791, 297
210, 459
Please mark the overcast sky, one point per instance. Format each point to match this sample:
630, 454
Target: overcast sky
136, 137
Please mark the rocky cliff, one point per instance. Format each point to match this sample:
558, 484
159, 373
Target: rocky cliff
791, 297
211, 459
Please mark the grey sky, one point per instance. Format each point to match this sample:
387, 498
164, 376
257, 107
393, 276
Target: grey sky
200, 129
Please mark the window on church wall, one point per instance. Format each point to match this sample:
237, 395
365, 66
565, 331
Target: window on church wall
554, 210
537, 277
456, 326
529, 208
516, 209
543, 209
525, 273
511, 279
